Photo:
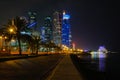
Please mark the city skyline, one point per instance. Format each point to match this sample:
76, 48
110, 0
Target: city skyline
93, 23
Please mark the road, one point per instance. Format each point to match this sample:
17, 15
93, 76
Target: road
28, 69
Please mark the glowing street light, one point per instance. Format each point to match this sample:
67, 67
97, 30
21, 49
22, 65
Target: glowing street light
11, 30
0, 37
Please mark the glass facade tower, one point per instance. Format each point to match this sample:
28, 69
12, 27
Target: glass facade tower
66, 30
48, 31
32, 17
57, 25
62, 29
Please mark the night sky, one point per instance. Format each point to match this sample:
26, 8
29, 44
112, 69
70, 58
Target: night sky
93, 22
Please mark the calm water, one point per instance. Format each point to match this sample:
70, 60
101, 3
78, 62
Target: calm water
110, 64
113, 66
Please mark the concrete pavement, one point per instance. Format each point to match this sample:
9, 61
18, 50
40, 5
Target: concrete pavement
35, 68
65, 70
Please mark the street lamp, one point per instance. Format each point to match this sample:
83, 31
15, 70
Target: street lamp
11, 30
1, 42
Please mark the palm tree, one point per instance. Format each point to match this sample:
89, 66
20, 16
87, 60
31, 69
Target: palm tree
50, 45
29, 39
37, 43
20, 24
43, 44
8, 32
14, 28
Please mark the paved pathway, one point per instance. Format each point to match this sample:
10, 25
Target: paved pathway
65, 70
28, 68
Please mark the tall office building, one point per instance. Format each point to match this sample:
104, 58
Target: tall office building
57, 25
66, 30
48, 30
32, 19
42, 34
62, 29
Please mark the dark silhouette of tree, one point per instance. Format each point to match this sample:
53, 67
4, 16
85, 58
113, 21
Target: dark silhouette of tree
14, 29
19, 25
37, 43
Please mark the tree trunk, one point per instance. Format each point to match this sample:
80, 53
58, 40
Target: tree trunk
37, 49
19, 45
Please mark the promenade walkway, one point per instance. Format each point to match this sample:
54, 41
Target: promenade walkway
65, 70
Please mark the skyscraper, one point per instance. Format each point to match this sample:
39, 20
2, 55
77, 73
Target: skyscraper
62, 29
42, 34
48, 29
66, 30
57, 25
32, 19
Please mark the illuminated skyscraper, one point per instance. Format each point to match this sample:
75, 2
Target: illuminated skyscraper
48, 29
66, 30
62, 30
42, 34
32, 19
57, 25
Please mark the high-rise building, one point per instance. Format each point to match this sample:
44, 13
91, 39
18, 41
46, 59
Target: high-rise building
62, 29
32, 19
42, 34
66, 30
57, 25
48, 30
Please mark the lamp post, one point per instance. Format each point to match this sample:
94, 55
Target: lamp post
1, 42
10, 31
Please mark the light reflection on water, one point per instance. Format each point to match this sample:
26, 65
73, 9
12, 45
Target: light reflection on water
100, 59
102, 64
108, 64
